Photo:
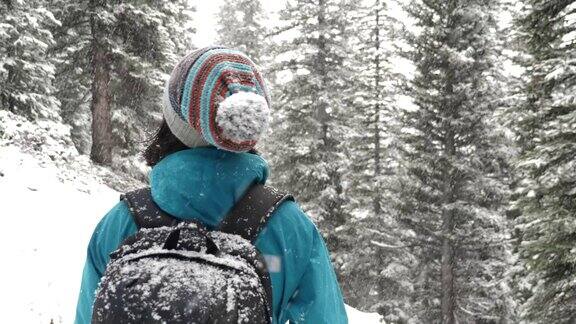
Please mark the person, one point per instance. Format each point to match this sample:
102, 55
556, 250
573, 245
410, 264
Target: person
216, 106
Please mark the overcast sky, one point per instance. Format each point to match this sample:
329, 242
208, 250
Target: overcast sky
205, 18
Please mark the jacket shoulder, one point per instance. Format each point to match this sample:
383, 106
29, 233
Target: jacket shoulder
110, 232
289, 227
290, 213
118, 218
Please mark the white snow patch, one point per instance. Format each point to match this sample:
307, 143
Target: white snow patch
357, 317
46, 225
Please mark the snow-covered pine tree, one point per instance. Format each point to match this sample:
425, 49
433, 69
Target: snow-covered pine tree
373, 270
113, 59
373, 115
155, 35
26, 69
547, 165
310, 135
514, 115
241, 26
453, 189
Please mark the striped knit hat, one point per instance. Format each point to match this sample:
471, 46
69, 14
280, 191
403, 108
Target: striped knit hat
216, 96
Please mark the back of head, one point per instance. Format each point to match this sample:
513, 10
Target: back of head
217, 96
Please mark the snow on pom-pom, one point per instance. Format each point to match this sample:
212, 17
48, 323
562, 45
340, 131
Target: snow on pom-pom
243, 116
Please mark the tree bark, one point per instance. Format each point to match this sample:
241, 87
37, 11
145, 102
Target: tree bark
377, 170
101, 151
448, 302
322, 109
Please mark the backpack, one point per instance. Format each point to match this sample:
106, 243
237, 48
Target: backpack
175, 271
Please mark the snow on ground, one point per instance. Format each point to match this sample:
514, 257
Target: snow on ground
48, 214
46, 226
357, 317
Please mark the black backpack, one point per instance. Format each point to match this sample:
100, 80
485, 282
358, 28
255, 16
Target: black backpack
174, 271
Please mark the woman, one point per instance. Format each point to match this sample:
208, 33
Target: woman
216, 106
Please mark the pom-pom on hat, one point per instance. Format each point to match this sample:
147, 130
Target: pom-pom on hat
216, 96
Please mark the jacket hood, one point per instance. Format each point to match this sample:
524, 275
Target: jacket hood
204, 183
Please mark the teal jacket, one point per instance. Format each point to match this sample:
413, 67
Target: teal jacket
204, 184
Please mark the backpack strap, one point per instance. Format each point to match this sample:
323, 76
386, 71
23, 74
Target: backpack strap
144, 211
249, 216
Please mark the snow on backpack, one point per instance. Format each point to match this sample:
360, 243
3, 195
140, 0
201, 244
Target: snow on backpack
174, 271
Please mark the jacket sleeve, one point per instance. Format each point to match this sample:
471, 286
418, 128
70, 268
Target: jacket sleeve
109, 233
90, 278
318, 298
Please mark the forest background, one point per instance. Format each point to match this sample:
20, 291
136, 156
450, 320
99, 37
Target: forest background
433, 141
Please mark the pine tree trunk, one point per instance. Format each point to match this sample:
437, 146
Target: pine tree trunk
377, 171
10, 101
322, 114
448, 302
101, 151
447, 271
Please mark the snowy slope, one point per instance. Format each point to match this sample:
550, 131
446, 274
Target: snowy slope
46, 225
48, 216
